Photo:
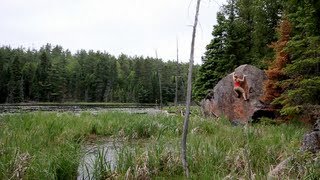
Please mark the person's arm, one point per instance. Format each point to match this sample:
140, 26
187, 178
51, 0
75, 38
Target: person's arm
243, 77
234, 79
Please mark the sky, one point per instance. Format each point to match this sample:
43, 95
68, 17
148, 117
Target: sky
132, 27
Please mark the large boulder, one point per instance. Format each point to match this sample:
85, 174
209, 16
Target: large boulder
311, 140
223, 101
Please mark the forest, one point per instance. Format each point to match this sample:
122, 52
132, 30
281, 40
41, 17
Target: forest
281, 37
53, 74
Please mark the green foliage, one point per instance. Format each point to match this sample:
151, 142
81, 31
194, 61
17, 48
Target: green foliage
53, 74
242, 34
302, 166
265, 16
216, 149
15, 85
303, 84
42, 74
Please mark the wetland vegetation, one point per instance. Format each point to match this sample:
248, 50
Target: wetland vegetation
73, 142
49, 145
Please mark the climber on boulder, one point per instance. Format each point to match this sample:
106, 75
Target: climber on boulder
237, 86
223, 101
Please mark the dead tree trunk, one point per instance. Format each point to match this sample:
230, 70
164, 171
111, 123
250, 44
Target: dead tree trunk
160, 86
189, 91
177, 77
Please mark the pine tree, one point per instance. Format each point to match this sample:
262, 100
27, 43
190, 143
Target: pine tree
225, 52
275, 72
28, 73
303, 86
15, 85
58, 75
42, 77
4, 72
243, 31
266, 15
52, 74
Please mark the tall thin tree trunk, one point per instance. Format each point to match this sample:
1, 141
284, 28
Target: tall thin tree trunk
160, 86
177, 76
176, 93
189, 91
86, 95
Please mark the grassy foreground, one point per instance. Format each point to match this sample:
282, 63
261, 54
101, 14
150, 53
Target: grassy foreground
48, 146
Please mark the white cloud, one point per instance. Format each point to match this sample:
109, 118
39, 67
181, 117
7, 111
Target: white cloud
133, 27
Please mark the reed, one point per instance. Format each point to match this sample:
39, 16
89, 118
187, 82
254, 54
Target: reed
42, 145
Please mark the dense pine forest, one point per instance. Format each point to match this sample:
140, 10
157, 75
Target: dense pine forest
51, 130
53, 74
281, 37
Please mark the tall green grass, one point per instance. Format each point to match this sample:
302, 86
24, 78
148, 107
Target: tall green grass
216, 150
52, 144
53, 140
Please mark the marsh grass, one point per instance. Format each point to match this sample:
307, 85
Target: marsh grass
216, 149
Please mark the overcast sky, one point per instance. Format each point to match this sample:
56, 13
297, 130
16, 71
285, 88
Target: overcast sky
132, 27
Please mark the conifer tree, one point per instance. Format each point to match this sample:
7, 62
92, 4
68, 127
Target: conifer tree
4, 73
43, 80
15, 85
303, 86
265, 16
59, 75
243, 31
54, 74
225, 51
275, 72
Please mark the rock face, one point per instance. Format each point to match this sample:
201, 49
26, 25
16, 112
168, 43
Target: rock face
311, 140
223, 101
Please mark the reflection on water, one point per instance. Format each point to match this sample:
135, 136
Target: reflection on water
77, 110
94, 154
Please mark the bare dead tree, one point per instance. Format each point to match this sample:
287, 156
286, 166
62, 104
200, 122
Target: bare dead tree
189, 91
160, 85
160, 88
176, 77
246, 152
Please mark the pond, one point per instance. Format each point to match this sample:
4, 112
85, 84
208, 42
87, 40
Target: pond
77, 109
97, 156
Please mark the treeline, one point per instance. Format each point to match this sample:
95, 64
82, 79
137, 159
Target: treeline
280, 36
53, 74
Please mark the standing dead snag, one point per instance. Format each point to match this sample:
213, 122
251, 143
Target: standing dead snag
176, 78
186, 119
159, 78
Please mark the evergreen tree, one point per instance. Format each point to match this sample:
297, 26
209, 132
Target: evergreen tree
303, 86
42, 78
243, 31
15, 85
52, 74
30, 58
275, 72
59, 75
28, 72
4, 72
266, 15
104, 80
225, 51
